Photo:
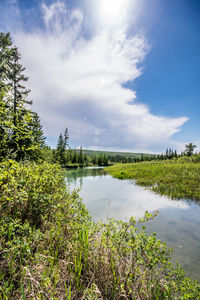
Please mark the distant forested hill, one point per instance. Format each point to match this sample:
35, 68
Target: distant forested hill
110, 153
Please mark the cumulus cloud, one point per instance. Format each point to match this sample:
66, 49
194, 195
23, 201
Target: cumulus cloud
79, 82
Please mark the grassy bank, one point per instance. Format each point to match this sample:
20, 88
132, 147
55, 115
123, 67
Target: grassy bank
50, 248
176, 179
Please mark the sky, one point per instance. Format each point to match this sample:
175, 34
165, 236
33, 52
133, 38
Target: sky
121, 75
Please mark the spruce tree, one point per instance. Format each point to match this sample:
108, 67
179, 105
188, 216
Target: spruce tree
25, 136
6, 125
37, 130
74, 157
65, 139
17, 78
80, 157
5, 57
61, 147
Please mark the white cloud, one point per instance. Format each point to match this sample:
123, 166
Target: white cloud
77, 82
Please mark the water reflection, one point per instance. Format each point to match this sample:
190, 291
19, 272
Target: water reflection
106, 196
75, 177
178, 221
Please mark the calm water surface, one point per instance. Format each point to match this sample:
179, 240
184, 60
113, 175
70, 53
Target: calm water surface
178, 221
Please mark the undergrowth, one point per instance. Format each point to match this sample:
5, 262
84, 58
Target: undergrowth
50, 248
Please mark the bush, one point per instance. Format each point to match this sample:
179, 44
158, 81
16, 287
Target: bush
30, 192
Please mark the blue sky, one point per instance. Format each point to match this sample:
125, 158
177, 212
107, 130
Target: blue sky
120, 74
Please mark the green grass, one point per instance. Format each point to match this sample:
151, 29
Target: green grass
176, 179
50, 248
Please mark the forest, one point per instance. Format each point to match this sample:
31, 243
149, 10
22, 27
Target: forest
49, 246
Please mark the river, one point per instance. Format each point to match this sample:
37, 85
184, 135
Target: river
178, 221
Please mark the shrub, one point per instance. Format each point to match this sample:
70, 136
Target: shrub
29, 191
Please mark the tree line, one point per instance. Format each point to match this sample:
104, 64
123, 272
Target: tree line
66, 156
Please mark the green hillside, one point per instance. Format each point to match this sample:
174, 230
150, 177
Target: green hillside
111, 153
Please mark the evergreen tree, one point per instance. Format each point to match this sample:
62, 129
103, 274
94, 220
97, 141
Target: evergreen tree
100, 160
74, 157
37, 130
69, 155
16, 78
65, 138
23, 136
189, 149
80, 157
61, 148
94, 160
24, 139
5, 56
105, 160
167, 153
6, 125
85, 159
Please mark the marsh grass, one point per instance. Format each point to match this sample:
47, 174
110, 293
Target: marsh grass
174, 178
50, 248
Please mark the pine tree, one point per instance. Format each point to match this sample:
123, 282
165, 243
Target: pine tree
37, 130
94, 160
100, 160
80, 157
105, 160
25, 134
74, 157
65, 138
61, 147
5, 56
16, 78
6, 125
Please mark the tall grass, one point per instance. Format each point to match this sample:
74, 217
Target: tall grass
50, 248
176, 179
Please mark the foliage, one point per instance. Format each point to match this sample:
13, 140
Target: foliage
22, 139
60, 154
20, 130
176, 179
5, 54
6, 125
189, 149
50, 248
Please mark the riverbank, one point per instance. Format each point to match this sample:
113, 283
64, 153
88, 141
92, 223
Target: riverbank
81, 166
173, 178
50, 248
